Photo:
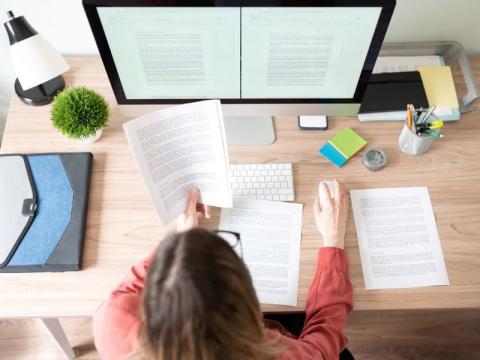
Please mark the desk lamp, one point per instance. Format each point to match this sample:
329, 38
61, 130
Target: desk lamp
39, 67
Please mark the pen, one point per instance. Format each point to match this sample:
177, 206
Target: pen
429, 112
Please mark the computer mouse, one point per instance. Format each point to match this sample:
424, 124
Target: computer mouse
330, 184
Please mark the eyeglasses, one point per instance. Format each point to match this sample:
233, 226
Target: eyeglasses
233, 239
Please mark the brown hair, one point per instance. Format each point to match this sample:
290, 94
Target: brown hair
199, 303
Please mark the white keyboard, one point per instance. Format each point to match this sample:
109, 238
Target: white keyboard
262, 181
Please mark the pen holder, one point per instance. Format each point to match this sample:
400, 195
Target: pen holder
412, 144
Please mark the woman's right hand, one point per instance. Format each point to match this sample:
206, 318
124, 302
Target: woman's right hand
189, 219
331, 214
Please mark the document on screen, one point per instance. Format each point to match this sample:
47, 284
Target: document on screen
304, 52
270, 234
398, 238
175, 52
178, 149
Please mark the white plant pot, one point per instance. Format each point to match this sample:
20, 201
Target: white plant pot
92, 138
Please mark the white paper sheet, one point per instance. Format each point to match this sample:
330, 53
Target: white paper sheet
270, 234
180, 148
398, 238
388, 64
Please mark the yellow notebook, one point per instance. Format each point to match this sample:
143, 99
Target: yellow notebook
439, 86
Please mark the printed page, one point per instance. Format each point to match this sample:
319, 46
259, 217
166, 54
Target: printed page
270, 237
388, 64
398, 238
180, 148
304, 52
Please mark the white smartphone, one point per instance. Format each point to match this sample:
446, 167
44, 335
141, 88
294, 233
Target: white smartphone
317, 122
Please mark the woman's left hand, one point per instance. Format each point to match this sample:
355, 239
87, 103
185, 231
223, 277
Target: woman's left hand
194, 211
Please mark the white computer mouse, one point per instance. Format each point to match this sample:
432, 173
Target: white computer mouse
330, 184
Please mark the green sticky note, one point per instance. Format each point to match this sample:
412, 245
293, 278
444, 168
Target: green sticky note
347, 142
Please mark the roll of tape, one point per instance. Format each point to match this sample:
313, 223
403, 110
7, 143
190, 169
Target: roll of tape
375, 159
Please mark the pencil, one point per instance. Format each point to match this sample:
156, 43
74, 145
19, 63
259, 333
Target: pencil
409, 117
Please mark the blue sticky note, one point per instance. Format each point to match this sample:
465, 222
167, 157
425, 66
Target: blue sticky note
332, 154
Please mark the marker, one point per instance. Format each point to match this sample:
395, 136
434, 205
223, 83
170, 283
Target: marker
431, 126
436, 124
434, 134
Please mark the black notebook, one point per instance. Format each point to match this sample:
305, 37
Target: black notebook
391, 92
43, 208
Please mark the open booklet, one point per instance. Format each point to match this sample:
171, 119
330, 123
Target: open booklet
178, 149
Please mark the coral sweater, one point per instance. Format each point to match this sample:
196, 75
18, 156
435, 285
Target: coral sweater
116, 323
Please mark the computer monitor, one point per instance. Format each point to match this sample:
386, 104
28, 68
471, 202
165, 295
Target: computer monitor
259, 57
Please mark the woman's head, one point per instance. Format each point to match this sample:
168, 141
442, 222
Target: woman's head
199, 302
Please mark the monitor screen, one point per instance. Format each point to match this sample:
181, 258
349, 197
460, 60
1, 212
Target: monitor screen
236, 53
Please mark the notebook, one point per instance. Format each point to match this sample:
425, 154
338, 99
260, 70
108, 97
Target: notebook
43, 211
439, 86
391, 92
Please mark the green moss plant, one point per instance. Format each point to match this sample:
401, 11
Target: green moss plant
79, 112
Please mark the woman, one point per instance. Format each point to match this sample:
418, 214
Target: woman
193, 298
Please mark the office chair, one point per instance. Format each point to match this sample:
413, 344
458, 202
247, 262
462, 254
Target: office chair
293, 322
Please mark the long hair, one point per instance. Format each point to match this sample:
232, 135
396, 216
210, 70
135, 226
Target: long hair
199, 303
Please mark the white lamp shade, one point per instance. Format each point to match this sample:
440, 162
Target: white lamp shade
36, 61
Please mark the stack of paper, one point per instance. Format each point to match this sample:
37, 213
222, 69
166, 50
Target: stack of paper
178, 149
389, 64
342, 146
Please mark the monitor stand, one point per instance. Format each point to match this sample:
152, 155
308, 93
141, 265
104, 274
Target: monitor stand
249, 130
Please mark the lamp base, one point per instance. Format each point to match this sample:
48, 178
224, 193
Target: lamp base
42, 94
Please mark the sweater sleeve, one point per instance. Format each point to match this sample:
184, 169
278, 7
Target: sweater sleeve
116, 322
330, 299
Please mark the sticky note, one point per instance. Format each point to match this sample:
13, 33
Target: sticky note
347, 142
332, 154
439, 86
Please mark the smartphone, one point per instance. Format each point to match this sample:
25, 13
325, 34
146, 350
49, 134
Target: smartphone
316, 122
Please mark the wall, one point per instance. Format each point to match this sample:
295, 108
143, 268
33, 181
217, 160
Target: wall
61, 22
64, 24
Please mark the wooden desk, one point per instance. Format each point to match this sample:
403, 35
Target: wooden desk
122, 226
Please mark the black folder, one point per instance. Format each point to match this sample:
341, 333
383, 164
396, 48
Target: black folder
43, 209
393, 91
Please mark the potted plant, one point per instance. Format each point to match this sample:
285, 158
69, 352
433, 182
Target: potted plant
80, 113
